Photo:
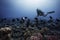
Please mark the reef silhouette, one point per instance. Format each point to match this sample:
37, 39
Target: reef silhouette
26, 29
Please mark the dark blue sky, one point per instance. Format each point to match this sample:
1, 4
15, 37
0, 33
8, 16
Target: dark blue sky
20, 8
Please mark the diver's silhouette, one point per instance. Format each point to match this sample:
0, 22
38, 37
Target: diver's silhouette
41, 13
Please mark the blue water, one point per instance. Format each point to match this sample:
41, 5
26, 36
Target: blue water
16, 9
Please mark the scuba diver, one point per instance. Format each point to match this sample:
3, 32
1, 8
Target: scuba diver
41, 13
